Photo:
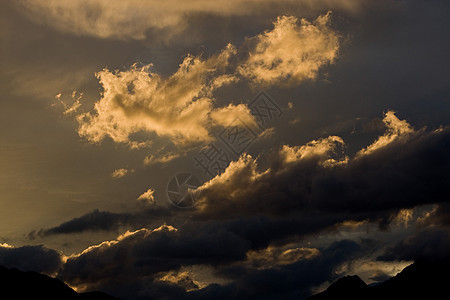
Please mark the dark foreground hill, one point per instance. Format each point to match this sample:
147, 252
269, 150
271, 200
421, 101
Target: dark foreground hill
421, 280
15, 284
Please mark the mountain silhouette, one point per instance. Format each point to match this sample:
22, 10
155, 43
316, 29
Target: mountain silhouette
424, 279
15, 284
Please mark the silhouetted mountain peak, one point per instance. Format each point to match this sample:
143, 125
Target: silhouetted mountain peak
424, 279
15, 284
348, 282
348, 287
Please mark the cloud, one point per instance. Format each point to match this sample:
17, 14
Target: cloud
291, 53
181, 279
95, 220
429, 243
267, 133
139, 102
147, 197
233, 115
132, 19
119, 173
438, 216
179, 107
290, 281
250, 222
275, 256
148, 260
411, 169
30, 258
259, 207
299, 195
163, 158
370, 270
106, 221
147, 252
70, 109
243, 188
397, 130
320, 148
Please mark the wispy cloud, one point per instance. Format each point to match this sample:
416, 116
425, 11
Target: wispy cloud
70, 108
131, 19
164, 158
119, 173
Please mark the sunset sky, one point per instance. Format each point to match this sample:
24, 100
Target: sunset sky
315, 135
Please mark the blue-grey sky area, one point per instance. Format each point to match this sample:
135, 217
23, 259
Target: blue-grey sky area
223, 149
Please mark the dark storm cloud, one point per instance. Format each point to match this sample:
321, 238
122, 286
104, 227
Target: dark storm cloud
429, 241
292, 281
440, 216
299, 197
139, 258
147, 252
107, 221
134, 260
95, 220
304, 193
259, 230
407, 172
30, 258
401, 175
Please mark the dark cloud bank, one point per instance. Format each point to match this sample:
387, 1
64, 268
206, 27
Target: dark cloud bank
288, 203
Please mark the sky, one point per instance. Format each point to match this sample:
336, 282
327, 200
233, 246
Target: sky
223, 149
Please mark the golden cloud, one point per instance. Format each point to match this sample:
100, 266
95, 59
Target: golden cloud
279, 255
179, 107
320, 148
291, 52
147, 197
119, 173
396, 130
